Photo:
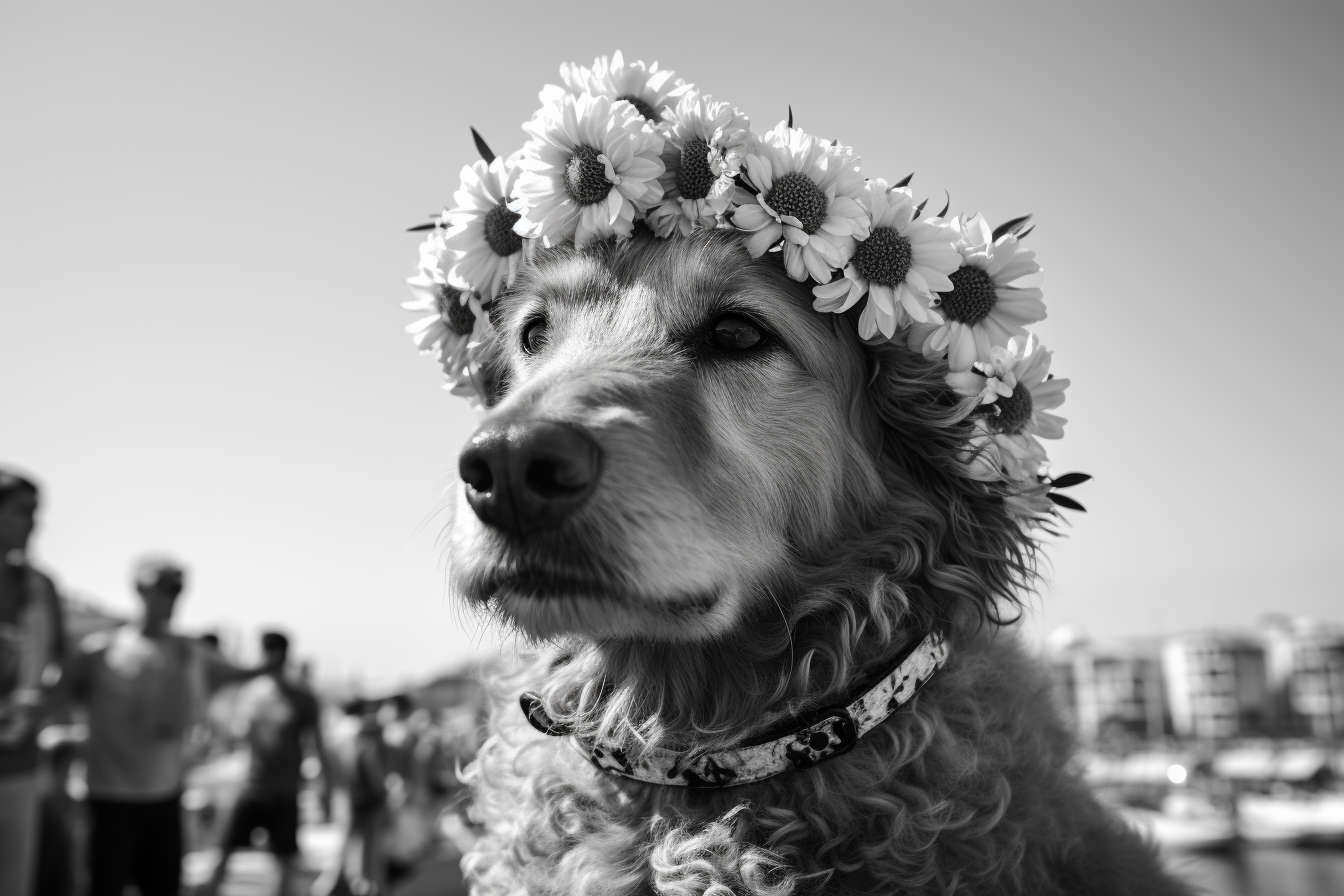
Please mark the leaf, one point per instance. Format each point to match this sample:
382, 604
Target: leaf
905, 182
947, 206
1066, 501
482, 148
919, 209
419, 227
1023, 234
1010, 226
790, 115
1068, 480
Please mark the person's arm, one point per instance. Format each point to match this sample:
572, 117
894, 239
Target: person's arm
319, 748
77, 671
219, 671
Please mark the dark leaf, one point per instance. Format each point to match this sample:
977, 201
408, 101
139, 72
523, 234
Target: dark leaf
1068, 480
419, 227
1010, 226
482, 148
790, 115
947, 206
904, 182
745, 182
1023, 234
1066, 501
919, 209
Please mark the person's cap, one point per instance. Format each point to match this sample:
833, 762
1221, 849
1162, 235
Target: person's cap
160, 573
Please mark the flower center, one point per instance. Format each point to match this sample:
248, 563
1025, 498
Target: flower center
694, 177
641, 107
455, 313
586, 176
884, 257
795, 194
1014, 411
499, 233
972, 296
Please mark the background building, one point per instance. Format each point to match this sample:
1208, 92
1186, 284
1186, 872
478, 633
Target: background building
1216, 686
1305, 670
1109, 692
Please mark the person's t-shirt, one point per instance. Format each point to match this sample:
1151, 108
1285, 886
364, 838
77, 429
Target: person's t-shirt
277, 714
142, 695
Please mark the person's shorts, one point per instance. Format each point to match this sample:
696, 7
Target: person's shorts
278, 816
135, 843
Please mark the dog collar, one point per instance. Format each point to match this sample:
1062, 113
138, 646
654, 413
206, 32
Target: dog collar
834, 734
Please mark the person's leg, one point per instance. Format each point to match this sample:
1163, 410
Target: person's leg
158, 863
18, 831
237, 835
55, 852
282, 828
336, 871
112, 842
372, 828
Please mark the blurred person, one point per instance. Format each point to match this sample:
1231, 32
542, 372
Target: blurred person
143, 687
361, 863
281, 717
31, 645
409, 824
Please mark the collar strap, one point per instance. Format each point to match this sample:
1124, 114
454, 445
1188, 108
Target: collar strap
834, 734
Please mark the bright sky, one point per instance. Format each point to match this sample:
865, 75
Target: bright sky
202, 214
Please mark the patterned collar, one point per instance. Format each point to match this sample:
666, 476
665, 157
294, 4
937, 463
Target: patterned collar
834, 734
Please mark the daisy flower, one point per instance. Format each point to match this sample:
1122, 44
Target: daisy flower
981, 454
981, 310
1017, 390
809, 196
897, 265
483, 249
706, 143
455, 319
646, 88
590, 167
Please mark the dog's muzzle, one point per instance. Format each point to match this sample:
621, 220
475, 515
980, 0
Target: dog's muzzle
524, 475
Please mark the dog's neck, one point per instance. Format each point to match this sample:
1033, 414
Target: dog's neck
712, 695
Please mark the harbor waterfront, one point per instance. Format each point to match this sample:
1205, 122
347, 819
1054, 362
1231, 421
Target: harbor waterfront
1225, 747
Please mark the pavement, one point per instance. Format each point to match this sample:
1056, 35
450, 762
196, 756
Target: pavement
256, 873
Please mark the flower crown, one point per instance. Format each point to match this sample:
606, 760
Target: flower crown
621, 143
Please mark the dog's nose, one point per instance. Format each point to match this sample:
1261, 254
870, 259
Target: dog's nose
523, 476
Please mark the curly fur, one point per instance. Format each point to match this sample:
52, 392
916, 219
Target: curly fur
835, 473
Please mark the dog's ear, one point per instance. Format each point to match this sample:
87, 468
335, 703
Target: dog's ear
980, 559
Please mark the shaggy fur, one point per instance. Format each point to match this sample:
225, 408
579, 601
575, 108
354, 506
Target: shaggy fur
771, 529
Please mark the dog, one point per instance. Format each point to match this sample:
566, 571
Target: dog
719, 514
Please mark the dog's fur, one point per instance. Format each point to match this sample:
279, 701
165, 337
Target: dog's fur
770, 528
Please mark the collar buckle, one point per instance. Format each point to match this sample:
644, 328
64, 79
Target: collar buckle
834, 735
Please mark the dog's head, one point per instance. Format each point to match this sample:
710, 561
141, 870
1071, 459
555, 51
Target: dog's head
677, 444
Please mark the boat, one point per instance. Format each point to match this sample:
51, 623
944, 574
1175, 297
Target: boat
1185, 822
1291, 817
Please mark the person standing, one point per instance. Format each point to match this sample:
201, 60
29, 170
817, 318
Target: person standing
282, 720
31, 645
143, 687
360, 866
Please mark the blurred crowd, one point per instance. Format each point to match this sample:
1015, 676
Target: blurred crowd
140, 757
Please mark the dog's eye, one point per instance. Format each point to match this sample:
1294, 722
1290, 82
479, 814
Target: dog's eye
736, 333
534, 335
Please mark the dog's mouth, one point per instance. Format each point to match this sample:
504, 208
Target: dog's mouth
549, 602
